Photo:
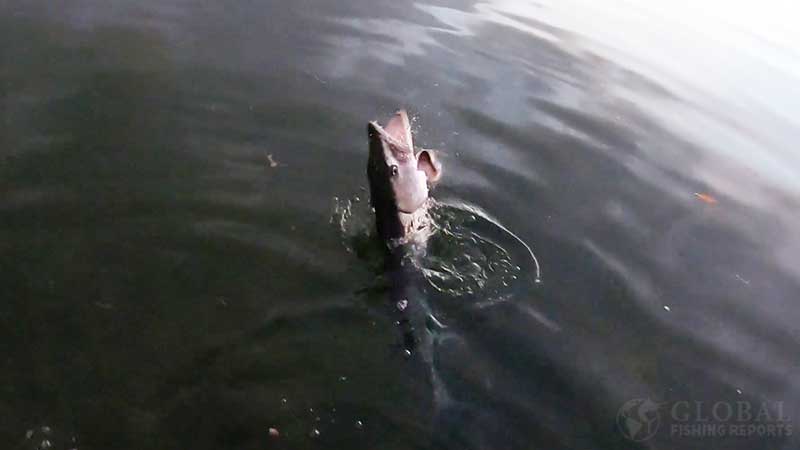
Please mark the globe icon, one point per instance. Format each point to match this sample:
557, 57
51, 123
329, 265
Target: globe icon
638, 419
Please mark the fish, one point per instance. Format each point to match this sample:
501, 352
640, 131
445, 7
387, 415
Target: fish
401, 178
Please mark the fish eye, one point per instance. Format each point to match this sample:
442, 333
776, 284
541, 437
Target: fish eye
394, 170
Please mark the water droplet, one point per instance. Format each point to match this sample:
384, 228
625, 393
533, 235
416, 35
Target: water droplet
402, 305
359, 424
314, 433
739, 391
342, 378
666, 308
407, 353
273, 432
28, 434
284, 400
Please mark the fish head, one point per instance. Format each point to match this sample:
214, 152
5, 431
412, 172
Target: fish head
399, 176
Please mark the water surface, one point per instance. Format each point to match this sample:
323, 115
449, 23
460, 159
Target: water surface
172, 277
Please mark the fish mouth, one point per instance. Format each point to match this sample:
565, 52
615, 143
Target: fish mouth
396, 133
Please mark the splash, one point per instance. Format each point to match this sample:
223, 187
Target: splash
467, 257
353, 217
479, 214
467, 253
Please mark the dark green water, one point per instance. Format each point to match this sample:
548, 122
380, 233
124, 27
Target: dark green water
164, 286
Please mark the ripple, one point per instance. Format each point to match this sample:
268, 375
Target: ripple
468, 252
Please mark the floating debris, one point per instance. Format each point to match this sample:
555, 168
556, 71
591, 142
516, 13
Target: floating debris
273, 432
272, 162
666, 308
706, 198
359, 424
314, 433
402, 305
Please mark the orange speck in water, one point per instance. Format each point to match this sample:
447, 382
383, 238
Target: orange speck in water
706, 198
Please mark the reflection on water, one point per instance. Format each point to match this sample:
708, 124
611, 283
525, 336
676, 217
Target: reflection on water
172, 278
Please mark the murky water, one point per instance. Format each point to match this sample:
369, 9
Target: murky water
187, 261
